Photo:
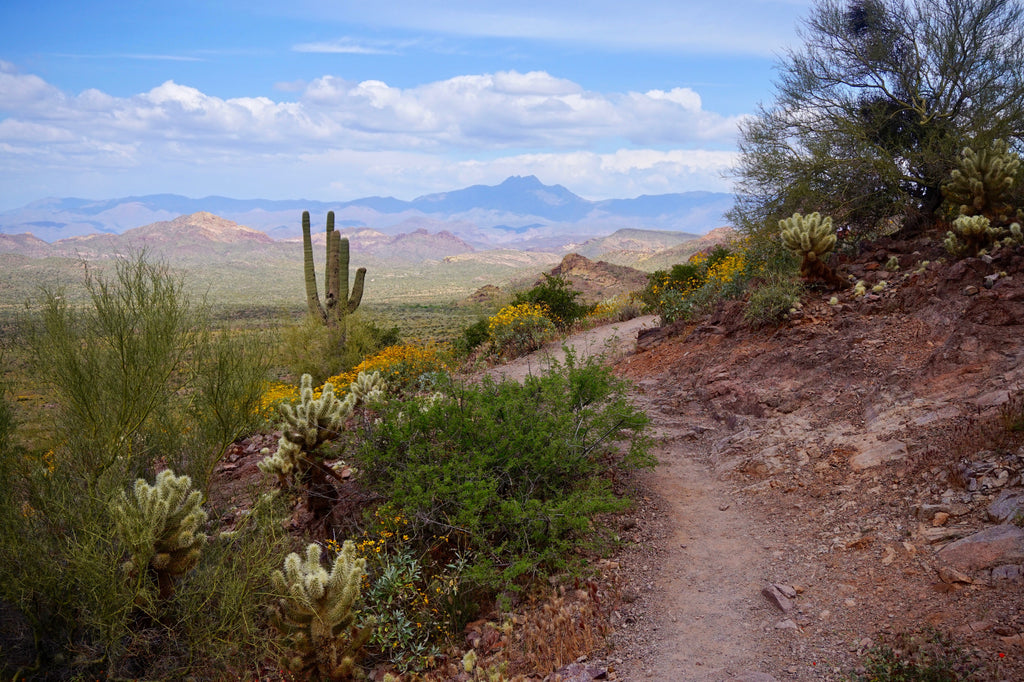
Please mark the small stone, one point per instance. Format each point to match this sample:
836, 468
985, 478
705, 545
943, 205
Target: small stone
940, 518
970, 290
775, 596
787, 624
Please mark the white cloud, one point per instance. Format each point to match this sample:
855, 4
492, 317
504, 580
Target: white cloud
370, 136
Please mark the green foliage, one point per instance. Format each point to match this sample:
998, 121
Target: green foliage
771, 301
871, 111
473, 336
138, 377
308, 348
920, 657
696, 286
561, 301
983, 183
160, 524
512, 474
316, 612
116, 364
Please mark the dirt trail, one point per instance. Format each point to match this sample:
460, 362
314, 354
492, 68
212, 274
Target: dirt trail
695, 610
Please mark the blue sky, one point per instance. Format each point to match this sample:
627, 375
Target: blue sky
339, 100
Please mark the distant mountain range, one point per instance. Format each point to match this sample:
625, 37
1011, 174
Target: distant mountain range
521, 211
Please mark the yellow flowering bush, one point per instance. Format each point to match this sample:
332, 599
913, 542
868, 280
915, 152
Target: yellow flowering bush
696, 284
519, 329
400, 366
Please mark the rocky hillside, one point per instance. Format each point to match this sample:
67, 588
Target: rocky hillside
873, 454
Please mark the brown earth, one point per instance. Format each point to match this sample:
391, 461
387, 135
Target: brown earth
835, 455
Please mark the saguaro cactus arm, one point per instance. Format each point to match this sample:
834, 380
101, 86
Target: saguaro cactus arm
312, 295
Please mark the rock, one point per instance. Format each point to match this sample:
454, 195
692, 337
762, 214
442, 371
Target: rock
787, 624
970, 290
940, 519
580, 672
878, 454
992, 398
950, 575
995, 546
1008, 572
1008, 505
777, 598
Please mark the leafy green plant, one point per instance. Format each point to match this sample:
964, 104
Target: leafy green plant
516, 330
473, 336
919, 657
771, 301
555, 293
512, 474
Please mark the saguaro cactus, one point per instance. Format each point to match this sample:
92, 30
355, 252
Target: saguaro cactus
316, 612
338, 302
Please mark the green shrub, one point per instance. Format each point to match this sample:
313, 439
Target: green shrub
516, 330
473, 336
307, 347
920, 657
770, 302
139, 381
513, 475
561, 301
697, 285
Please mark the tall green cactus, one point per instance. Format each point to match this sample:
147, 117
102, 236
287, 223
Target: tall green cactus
813, 238
160, 525
316, 612
338, 303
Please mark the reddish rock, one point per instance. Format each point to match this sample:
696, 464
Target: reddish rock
995, 546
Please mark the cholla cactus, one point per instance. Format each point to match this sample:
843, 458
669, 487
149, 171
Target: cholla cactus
983, 184
971, 235
306, 426
368, 387
160, 524
813, 238
316, 612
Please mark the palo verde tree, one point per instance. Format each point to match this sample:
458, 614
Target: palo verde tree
873, 107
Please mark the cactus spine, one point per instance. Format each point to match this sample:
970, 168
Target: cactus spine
338, 303
316, 615
812, 238
160, 524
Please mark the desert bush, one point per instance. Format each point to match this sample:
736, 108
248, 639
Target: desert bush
473, 336
516, 330
556, 295
139, 383
771, 301
404, 368
512, 475
697, 285
307, 347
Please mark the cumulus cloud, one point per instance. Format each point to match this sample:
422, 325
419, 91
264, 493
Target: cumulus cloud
460, 129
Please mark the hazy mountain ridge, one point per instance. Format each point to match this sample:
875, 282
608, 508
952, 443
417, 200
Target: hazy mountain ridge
520, 211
